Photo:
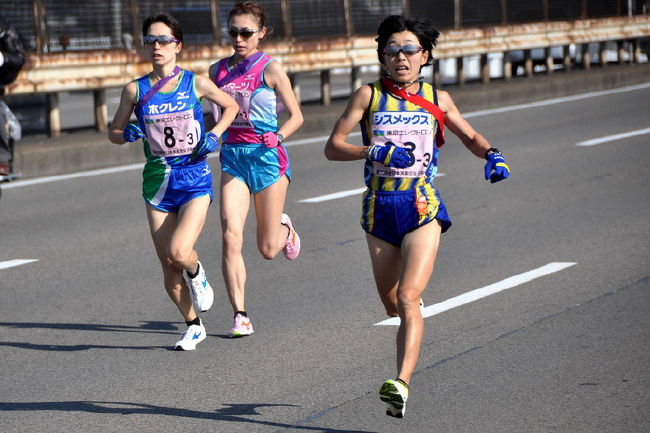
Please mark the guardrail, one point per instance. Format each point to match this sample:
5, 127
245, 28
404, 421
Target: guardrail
101, 69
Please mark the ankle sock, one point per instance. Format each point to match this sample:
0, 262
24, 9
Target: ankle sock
198, 268
196, 321
243, 313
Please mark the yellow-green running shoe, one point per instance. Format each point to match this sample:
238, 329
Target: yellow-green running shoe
395, 394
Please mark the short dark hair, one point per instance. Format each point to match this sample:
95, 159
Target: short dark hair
422, 28
165, 18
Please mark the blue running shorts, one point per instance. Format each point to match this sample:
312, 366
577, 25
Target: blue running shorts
390, 215
168, 188
255, 164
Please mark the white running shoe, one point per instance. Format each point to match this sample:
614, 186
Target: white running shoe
200, 289
241, 326
190, 338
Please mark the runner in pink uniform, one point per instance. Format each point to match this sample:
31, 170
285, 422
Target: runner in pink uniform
253, 157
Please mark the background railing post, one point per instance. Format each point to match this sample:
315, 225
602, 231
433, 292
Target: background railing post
53, 115
214, 15
507, 66
458, 16
325, 88
135, 16
566, 57
528, 63
602, 53
286, 19
349, 25
101, 112
485, 69
548, 56
39, 26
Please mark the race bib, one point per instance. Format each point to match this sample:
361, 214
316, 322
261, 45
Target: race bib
243, 99
172, 134
410, 130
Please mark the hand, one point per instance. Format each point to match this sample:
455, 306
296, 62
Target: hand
209, 144
270, 139
496, 168
132, 132
390, 155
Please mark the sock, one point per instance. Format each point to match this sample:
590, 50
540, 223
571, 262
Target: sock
243, 313
402, 382
198, 268
196, 321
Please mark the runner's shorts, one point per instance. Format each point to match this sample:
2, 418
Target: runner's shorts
255, 164
168, 188
390, 215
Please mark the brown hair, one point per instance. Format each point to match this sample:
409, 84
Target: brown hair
251, 8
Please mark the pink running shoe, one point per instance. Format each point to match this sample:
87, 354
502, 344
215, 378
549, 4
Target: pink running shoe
292, 247
241, 326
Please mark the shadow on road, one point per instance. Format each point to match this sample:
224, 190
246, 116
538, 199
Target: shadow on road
230, 413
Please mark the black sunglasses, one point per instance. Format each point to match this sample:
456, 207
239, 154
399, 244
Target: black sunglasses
161, 39
408, 50
245, 33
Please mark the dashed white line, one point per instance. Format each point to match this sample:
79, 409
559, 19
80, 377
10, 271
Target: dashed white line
483, 292
17, 262
595, 141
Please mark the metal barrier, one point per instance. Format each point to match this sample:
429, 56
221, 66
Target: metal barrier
98, 70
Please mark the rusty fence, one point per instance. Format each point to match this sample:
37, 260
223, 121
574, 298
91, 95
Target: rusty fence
102, 51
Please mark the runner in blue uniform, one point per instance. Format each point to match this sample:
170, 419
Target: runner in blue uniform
402, 120
177, 181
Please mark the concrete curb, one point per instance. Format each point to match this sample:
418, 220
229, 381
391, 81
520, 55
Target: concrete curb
86, 150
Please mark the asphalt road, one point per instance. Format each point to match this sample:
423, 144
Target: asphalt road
86, 330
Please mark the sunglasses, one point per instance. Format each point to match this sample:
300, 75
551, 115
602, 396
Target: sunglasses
408, 50
161, 39
245, 33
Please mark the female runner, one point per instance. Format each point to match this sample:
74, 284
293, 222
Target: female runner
254, 160
402, 212
177, 181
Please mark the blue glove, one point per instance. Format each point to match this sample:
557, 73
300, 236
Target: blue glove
496, 168
132, 132
209, 144
390, 155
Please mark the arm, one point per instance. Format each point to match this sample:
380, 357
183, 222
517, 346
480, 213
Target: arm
123, 114
205, 87
454, 121
496, 168
337, 147
277, 79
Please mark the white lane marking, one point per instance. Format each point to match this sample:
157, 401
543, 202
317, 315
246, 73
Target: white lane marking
17, 262
595, 141
333, 196
483, 292
49, 179
556, 100
340, 194
322, 138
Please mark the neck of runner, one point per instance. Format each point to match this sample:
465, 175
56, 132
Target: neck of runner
158, 74
409, 86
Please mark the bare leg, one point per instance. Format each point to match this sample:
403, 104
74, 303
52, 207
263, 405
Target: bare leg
174, 236
269, 204
401, 282
235, 202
